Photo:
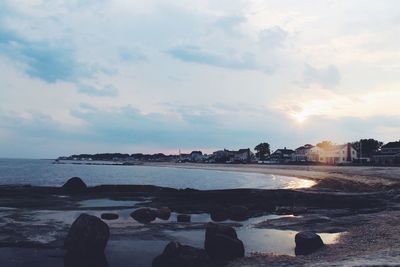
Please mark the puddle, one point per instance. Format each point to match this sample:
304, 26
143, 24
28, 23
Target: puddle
107, 203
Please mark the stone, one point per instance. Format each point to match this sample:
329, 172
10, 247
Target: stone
219, 214
109, 216
144, 215
183, 218
221, 242
74, 185
87, 235
307, 242
163, 213
178, 255
238, 213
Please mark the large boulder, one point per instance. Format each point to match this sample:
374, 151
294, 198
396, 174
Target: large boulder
144, 215
221, 242
183, 218
163, 213
74, 185
177, 255
87, 235
307, 242
219, 214
238, 213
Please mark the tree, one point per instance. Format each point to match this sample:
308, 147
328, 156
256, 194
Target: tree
325, 144
366, 147
262, 150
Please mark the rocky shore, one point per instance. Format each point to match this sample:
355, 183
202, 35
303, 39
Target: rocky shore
36, 222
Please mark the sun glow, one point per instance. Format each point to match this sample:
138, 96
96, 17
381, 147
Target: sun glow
300, 117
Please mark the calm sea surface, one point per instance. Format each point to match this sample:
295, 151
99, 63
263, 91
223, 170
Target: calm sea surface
45, 173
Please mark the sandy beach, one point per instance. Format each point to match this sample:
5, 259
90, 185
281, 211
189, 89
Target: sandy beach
340, 177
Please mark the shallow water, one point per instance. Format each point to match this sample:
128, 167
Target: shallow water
44, 173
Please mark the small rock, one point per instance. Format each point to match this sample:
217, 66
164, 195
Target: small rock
177, 255
87, 235
219, 214
109, 216
183, 218
307, 242
221, 242
299, 211
144, 215
163, 213
283, 211
238, 213
74, 185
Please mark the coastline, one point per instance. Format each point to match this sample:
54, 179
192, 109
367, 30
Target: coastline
357, 178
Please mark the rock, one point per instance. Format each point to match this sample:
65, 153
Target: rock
221, 242
87, 235
238, 213
307, 242
144, 215
163, 213
177, 255
109, 216
283, 211
74, 185
74, 260
299, 211
219, 214
183, 218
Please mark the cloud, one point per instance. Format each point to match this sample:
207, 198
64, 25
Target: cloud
273, 37
328, 77
229, 23
108, 90
193, 54
46, 61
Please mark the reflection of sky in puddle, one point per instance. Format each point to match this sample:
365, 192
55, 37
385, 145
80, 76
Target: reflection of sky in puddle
107, 203
254, 239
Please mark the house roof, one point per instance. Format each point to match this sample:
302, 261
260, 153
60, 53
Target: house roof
392, 145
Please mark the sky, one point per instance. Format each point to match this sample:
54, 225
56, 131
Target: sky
147, 76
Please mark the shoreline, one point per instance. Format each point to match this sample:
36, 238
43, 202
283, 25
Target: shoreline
327, 177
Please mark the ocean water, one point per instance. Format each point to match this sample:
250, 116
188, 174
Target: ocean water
45, 173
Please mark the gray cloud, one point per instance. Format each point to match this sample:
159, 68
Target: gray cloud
273, 37
328, 77
108, 90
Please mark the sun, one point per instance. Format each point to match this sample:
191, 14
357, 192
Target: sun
300, 117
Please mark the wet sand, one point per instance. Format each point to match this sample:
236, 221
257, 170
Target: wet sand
343, 178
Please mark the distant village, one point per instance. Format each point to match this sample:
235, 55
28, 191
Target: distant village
365, 152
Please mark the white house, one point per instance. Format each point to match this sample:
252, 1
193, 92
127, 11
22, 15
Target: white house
337, 154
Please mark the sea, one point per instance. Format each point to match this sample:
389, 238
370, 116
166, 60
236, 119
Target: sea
42, 172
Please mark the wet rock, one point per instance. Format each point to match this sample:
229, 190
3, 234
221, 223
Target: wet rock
283, 211
163, 213
183, 218
144, 215
299, 211
238, 213
307, 242
109, 216
93, 259
219, 214
178, 255
74, 185
87, 235
221, 242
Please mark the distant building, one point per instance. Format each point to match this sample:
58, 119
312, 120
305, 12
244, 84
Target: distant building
388, 155
282, 155
231, 156
196, 156
338, 154
305, 153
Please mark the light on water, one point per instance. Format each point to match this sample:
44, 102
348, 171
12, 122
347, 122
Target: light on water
44, 173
